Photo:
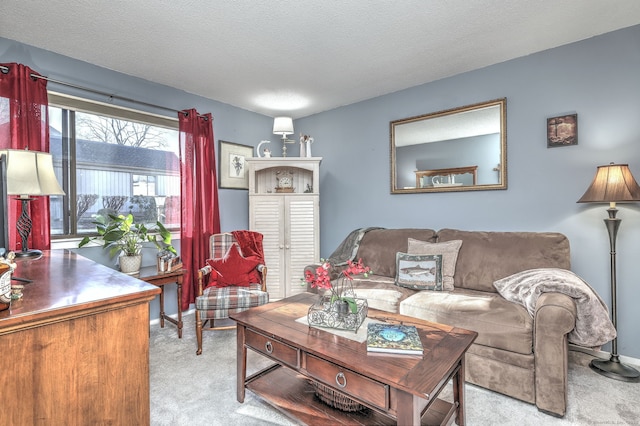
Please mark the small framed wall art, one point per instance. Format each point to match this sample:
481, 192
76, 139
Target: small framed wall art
562, 131
232, 170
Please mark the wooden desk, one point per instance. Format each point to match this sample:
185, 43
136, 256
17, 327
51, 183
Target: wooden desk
75, 348
151, 275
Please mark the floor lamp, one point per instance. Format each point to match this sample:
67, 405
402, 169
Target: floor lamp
613, 184
29, 174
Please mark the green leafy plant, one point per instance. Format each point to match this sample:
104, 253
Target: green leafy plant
120, 234
162, 239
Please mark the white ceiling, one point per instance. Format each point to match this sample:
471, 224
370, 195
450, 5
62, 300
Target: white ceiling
300, 57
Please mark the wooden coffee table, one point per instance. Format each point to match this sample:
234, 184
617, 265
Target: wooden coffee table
396, 389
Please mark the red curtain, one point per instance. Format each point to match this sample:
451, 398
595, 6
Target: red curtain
24, 123
199, 196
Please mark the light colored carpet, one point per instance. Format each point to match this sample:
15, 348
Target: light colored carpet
201, 390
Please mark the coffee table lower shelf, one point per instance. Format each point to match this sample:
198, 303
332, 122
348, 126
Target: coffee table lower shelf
292, 394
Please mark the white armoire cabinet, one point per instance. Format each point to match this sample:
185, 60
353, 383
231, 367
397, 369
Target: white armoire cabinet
284, 206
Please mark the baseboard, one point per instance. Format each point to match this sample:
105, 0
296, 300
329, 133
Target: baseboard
605, 355
157, 320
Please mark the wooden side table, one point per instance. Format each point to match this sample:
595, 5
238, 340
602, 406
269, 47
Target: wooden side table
151, 275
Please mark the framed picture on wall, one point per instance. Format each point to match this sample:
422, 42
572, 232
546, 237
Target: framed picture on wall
232, 170
562, 131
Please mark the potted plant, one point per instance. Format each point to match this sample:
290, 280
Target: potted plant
121, 235
162, 240
342, 295
167, 255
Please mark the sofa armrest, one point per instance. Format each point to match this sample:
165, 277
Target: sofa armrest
554, 318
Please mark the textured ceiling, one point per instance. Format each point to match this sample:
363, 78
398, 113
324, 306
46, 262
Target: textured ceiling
300, 57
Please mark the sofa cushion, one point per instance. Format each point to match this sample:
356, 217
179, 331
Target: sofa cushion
485, 257
381, 292
499, 323
449, 251
419, 271
378, 247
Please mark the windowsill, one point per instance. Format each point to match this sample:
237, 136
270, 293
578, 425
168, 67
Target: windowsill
67, 243
72, 243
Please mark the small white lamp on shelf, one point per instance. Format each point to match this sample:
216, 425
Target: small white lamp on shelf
283, 126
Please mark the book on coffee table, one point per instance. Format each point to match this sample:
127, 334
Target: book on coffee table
393, 339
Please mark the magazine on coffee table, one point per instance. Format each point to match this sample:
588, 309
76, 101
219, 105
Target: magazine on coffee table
393, 339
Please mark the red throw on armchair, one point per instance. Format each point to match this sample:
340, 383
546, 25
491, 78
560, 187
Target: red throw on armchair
236, 279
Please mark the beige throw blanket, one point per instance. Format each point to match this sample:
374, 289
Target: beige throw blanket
593, 326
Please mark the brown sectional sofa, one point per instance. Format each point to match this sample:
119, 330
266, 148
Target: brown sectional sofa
514, 354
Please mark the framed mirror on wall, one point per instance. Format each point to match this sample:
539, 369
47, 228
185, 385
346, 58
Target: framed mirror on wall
461, 149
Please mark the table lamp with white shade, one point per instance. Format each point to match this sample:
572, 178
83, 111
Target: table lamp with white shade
29, 174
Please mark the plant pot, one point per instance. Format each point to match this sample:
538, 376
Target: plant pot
130, 264
342, 307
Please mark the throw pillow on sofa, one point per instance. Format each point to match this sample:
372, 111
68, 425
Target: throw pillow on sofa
419, 271
448, 250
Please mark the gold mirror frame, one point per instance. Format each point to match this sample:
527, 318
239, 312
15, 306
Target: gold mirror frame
451, 174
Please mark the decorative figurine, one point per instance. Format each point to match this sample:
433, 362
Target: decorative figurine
267, 152
302, 147
305, 145
7, 266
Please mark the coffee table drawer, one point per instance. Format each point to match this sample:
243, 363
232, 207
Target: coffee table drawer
348, 382
273, 348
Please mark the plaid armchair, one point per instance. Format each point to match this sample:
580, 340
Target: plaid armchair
216, 298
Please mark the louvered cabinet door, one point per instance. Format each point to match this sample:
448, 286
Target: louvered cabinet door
266, 215
302, 246
288, 217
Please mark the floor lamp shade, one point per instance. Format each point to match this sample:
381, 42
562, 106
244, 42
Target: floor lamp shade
29, 173
613, 184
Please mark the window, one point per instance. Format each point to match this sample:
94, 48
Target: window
112, 160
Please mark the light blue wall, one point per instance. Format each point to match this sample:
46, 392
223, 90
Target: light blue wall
599, 79
595, 78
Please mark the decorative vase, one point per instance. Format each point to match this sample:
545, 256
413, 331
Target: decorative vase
342, 307
130, 264
308, 150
